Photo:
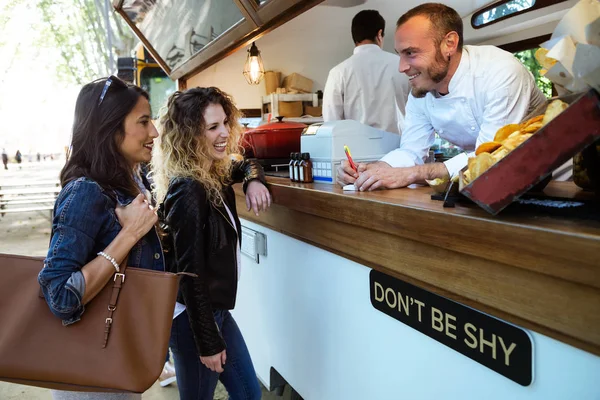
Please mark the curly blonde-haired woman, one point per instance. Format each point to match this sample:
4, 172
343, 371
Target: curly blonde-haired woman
193, 172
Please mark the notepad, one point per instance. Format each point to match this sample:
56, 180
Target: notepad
349, 188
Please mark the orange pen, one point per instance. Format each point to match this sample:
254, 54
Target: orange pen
350, 160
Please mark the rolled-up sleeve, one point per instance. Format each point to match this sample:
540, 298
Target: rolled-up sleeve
79, 215
456, 163
417, 137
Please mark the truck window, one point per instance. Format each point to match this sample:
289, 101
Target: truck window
158, 85
180, 29
504, 9
500, 11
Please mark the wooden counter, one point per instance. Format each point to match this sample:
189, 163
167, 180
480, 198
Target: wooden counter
539, 272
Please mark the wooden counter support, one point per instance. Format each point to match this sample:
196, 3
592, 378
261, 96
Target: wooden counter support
538, 272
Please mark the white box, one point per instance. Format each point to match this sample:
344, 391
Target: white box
325, 143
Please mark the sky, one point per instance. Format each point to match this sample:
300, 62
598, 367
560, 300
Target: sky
36, 110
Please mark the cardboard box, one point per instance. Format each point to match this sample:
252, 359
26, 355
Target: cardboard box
313, 111
289, 109
297, 82
272, 80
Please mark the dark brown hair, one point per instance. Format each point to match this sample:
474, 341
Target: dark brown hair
443, 20
366, 24
98, 129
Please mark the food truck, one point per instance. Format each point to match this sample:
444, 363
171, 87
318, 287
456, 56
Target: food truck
143, 71
389, 294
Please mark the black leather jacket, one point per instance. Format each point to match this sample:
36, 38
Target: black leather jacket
200, 239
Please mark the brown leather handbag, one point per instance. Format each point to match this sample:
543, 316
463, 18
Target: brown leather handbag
119, 345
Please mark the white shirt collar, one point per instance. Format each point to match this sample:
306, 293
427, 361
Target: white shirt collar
366, 47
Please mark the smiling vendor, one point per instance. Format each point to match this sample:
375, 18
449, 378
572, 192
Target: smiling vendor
465, 94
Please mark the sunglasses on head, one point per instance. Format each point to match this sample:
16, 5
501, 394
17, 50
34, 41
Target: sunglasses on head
111, 80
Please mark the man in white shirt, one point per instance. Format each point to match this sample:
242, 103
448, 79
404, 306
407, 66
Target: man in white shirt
465, 94
367, 87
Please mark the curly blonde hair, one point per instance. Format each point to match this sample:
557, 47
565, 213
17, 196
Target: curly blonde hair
182, 147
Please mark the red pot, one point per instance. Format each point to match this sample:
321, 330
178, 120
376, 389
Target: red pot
248, 151
275, 140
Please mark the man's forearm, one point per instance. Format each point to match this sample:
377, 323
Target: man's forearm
430, 171
380, 175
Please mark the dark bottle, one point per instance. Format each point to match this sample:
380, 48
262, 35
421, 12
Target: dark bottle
297, 160
306, 168
291, 165
301, 169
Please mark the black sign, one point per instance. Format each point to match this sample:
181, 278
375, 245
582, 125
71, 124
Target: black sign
496, 344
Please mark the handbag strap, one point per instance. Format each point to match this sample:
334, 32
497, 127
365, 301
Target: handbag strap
118, 281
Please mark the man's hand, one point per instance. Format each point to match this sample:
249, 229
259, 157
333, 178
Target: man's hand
346, 175
382, 176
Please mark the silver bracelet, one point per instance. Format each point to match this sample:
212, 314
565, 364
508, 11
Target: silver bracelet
112, 260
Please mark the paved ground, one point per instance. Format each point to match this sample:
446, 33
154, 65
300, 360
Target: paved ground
28, 234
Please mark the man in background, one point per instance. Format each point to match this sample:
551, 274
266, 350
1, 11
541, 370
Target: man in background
367, 87
18, 158
4, 158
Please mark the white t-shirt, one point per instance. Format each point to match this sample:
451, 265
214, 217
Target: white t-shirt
490, 89
367, 88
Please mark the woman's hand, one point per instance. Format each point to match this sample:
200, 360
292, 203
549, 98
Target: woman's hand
257, 197
138, 217
215, 363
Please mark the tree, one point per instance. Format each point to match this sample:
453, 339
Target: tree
5, 13
78, 29
527, 58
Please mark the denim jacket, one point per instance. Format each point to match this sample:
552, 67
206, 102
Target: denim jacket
85, 223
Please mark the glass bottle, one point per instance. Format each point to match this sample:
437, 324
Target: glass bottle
291, 165
307, 170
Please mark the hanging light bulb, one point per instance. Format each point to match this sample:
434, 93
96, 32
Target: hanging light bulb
253, 69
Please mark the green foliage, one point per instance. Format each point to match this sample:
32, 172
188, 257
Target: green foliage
5, 13
528, 60
77, 29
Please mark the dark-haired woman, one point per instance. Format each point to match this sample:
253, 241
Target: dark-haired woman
103, 212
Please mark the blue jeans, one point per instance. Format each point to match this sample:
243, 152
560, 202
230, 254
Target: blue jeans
194, 380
